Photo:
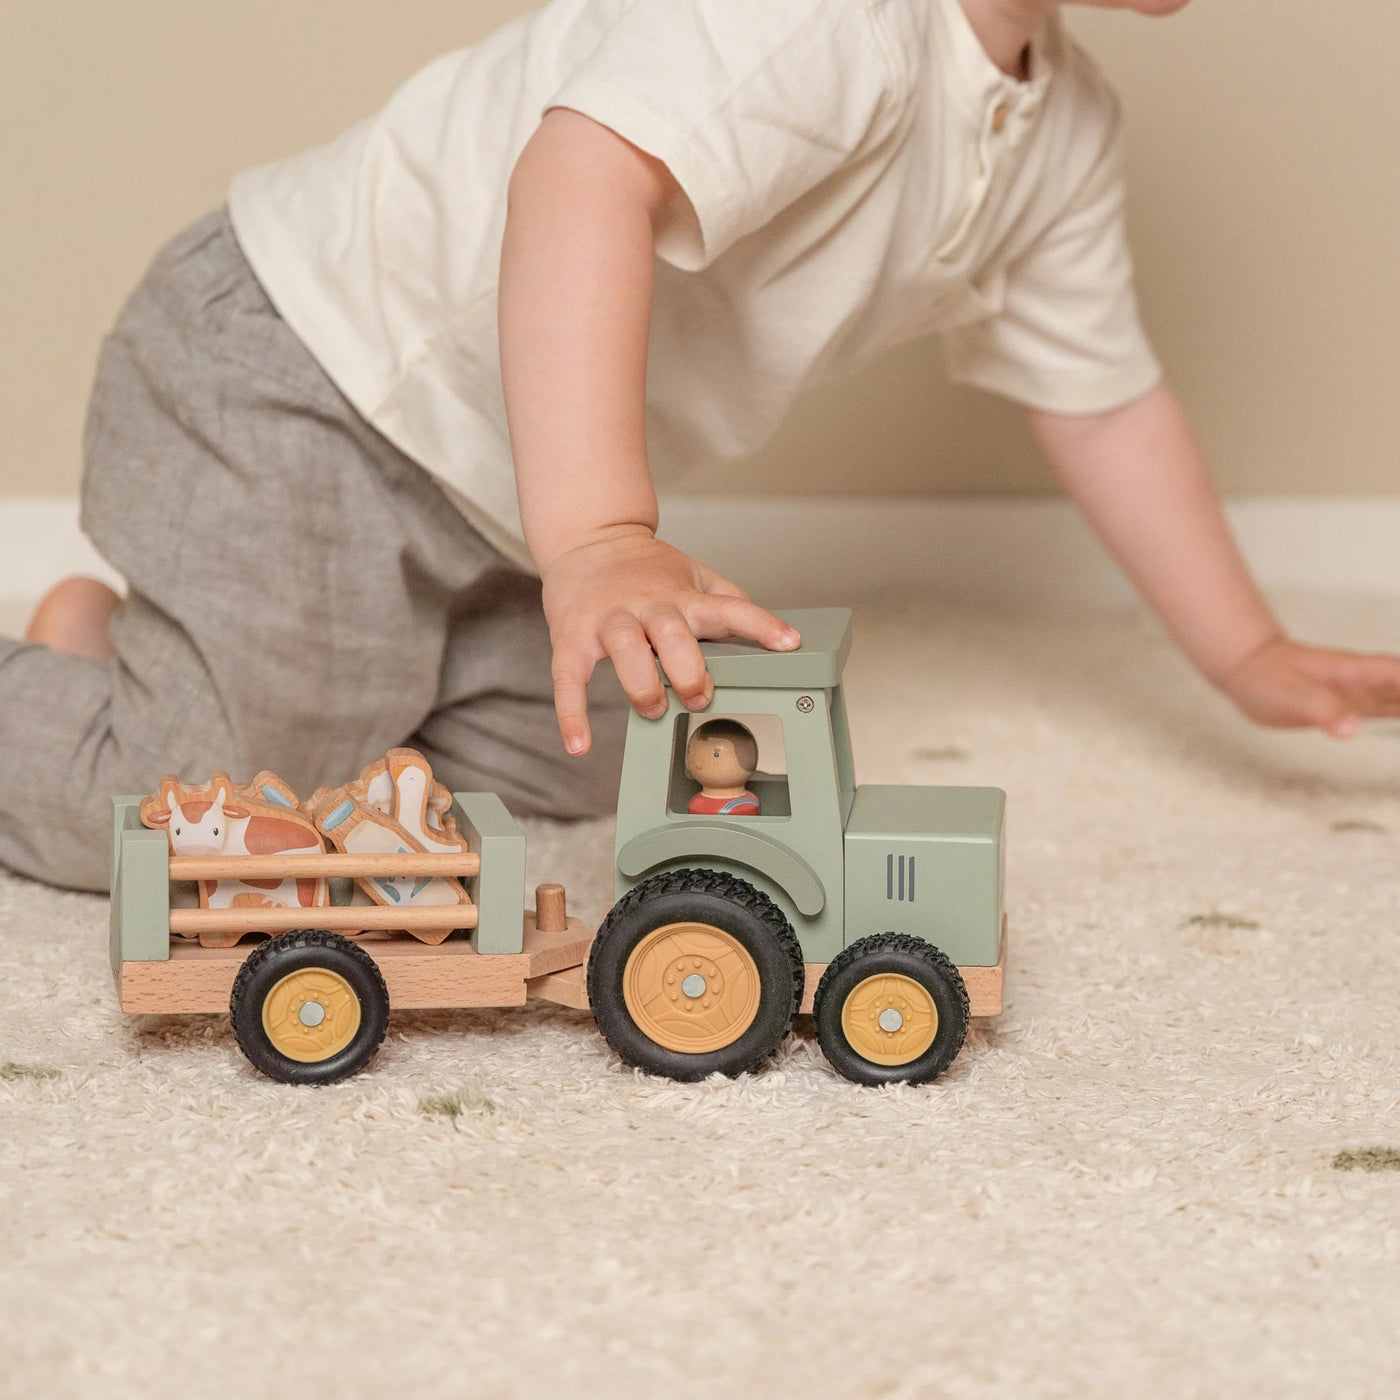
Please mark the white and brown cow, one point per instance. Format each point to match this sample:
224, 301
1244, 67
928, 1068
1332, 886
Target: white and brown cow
218, 819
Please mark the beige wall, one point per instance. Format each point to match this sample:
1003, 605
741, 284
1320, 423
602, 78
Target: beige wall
1266, 215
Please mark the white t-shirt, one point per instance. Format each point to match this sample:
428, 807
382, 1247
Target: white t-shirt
858, 172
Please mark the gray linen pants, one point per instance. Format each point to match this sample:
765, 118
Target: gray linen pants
302, 595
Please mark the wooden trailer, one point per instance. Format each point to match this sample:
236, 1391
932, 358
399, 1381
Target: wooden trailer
309, 996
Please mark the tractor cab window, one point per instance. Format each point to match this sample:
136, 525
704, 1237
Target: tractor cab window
729, 766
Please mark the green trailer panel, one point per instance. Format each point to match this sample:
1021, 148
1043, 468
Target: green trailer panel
499, 891
140, 914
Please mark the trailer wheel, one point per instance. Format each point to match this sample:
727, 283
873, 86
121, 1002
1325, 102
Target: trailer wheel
694, 973
891, 1009
309, 1007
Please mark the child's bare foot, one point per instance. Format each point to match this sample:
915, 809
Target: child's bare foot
73, 618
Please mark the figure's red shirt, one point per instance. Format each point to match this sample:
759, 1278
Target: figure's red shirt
744, 806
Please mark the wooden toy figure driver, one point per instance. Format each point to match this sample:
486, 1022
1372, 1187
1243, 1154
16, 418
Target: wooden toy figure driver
375, 447
722, 756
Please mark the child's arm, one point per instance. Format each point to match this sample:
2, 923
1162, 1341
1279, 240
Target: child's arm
575, 313
1138, 475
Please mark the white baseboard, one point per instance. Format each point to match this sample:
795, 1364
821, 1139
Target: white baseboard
40, 542
846, 550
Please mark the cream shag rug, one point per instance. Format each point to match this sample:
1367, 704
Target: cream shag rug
1168, 1170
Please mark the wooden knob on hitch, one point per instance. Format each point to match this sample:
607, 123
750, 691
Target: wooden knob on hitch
551, 911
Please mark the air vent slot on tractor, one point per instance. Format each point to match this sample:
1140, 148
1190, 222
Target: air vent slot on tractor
899, 878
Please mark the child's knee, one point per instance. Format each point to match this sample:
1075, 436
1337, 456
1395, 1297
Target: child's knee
61, 761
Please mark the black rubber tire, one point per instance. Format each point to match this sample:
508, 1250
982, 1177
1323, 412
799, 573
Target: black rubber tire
914, 958
705, 896
268, 964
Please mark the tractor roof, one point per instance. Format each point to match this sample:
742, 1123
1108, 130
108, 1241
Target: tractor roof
815, 665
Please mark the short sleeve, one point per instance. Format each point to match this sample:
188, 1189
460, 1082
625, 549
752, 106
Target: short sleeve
750, 106
1067, 337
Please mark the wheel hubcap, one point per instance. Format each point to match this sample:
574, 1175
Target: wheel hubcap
311, 1014
889, 1019
691, 987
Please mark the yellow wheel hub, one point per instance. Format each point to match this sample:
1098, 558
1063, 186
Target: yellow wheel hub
311, 1015
889, 1019
691, 988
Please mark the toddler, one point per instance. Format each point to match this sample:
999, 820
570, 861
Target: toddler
375, 446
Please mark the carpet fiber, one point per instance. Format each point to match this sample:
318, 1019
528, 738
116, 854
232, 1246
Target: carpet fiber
1169, 1169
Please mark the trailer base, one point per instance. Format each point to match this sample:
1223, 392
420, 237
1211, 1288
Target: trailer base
418, 977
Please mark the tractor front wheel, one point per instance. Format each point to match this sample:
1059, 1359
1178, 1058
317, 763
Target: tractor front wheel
891, 1009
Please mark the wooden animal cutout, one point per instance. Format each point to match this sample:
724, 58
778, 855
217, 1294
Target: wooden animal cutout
392, 784
420, 805
354, 827
375, 787
268, 787
440, 816
218, 819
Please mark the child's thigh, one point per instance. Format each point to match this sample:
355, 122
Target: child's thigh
494, 729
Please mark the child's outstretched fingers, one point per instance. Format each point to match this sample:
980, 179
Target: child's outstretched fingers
717, 615
1288, 685
1337, 718
625, 642
1370, 683
571, 673
636, 600
679, 654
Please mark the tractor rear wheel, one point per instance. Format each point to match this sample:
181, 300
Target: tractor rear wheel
891, 1009
309, 1007
693, 973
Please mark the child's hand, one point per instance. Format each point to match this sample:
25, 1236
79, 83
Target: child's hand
1290, 686
630, 597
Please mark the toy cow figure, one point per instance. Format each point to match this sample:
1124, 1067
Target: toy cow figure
219, 819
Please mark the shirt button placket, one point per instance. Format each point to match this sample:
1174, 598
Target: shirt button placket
989, 159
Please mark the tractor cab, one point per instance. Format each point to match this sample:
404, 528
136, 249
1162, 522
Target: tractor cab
804, 780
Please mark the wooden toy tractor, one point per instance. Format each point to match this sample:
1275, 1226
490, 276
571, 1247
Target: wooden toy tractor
877, 909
